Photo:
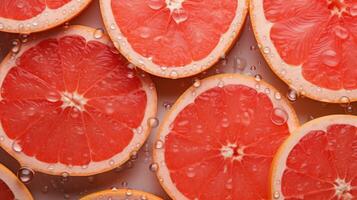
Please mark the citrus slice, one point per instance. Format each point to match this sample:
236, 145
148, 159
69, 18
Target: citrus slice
118, 194
174, 38
10, 187
319, 161
71, 104
28, 16
218, 140
311, 45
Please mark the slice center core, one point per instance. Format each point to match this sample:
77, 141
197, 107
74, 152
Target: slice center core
74, 100
342, 189
174, 4
232, 151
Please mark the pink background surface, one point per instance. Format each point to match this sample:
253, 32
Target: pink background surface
137, 174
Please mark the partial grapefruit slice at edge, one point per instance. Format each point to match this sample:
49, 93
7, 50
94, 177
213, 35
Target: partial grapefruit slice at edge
227, 40
44, 16
16, 187
289, 73
183, 102
115, 194
319, 172
139, 134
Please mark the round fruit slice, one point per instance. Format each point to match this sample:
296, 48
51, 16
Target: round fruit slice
116, 194
319, 161
10, 187
71, 104
218, 140
174, 38
311, 45
28, 16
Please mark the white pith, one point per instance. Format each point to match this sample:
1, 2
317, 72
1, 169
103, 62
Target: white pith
279, 163
187, 98
174, 4
92, 167
290, 74
343, 189
19, 189
73, 100
173, 72
47, 19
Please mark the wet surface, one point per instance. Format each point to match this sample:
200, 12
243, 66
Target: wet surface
138, 173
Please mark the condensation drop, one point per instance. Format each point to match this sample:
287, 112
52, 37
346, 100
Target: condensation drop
153, 122
292, 95
266, 50
279, 116
277, 95
353, 10
129, 193
258, 77
197, 83
179, 15
190, 172
276, 195
344, 101
341, 32
53, 97
144, 32
25, 174
16, 147
154, 167
155, 4
330, 58
16, 46
98, 33
159, 144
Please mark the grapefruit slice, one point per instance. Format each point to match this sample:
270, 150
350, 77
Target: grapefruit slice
28, 16
174, 38
71, 104
311, 45
118, 194
218, 140
319, 161
10, 187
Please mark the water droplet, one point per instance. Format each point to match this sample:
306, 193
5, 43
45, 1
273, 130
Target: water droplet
173, 74
98, 33
154, 167
253, 47
112, 26
124, 184
276, 195
277, 96
143, 197
220, 84
16, 147
66, 196
53, 97
65, 174
240, 63
24, 38
258, 77
155, 4
66, 25
25, 174
109, 109
344, 101
179, 15
129, 193
349, 109
197, 83
292, 95
253, 68
167, 105
153, 122
341, 32
159, 144
190, 172
266, 50
279, 116
353, 10
144, 32
16, 46
111, 162
330, 58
